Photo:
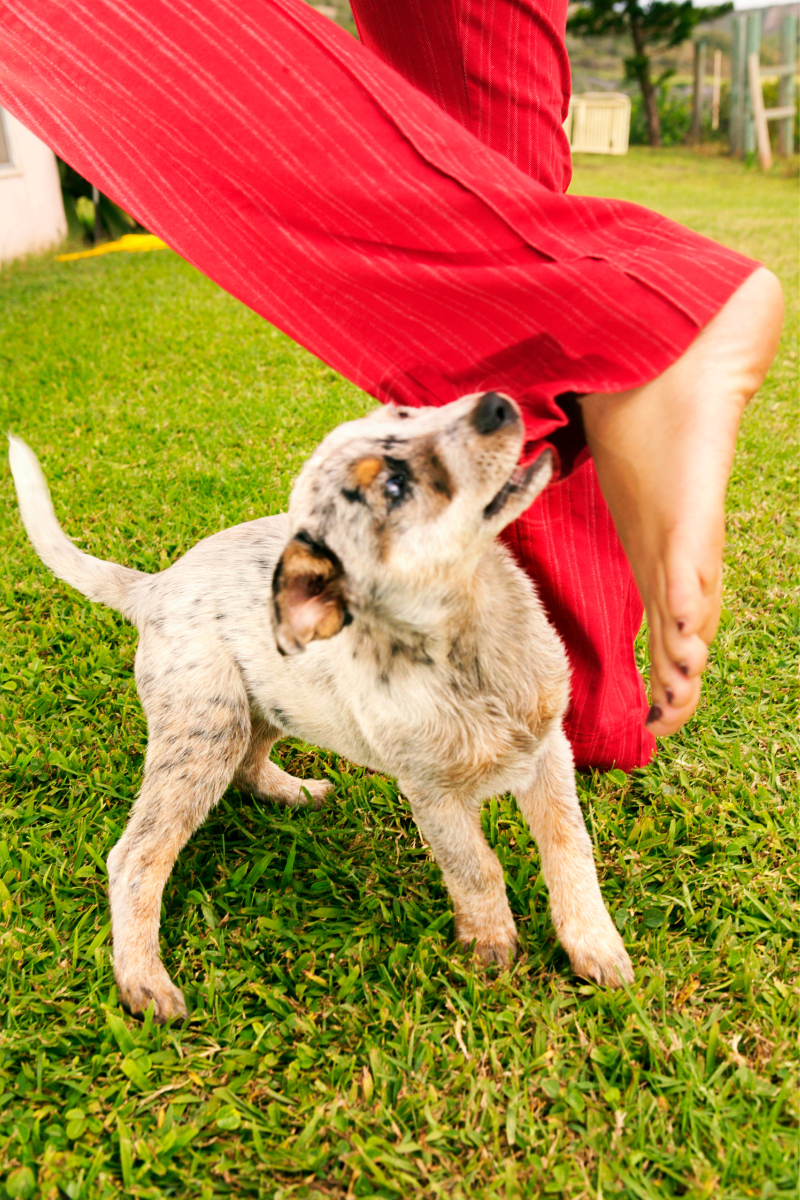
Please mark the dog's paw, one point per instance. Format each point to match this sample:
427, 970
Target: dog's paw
495, 944
167, 1000
496, 952
313, 793
602, 958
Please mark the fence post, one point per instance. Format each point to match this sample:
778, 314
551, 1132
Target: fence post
738, 83
699, 80
759, 114
786, 89
753, 46
716, 89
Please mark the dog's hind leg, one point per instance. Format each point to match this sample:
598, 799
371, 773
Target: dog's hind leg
585, 930
472, 873
259, 776
196, 743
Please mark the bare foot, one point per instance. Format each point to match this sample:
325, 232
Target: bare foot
663, 454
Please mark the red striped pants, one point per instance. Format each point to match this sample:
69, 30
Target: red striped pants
396, 206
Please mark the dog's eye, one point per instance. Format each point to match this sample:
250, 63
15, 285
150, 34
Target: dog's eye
395, 489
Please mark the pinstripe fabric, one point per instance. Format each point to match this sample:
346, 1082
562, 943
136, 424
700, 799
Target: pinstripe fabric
500, 68
409, 231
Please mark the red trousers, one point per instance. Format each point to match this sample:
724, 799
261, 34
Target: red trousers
396, 205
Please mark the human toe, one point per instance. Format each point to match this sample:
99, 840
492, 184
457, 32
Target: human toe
667, 714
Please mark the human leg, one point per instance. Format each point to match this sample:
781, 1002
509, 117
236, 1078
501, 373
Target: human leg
664, 453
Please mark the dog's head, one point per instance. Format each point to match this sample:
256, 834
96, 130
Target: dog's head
395, 503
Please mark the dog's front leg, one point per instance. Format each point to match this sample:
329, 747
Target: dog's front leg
551, 808
471, 871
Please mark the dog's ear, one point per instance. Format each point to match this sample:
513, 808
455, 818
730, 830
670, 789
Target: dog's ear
308, 594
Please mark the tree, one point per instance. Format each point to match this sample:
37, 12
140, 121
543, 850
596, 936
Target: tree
664, 23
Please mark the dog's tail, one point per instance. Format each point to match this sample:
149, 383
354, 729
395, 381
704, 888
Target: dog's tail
104, 581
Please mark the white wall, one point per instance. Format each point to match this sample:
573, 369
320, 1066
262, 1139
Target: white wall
31, 209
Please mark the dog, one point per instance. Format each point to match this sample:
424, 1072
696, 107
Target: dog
381, 618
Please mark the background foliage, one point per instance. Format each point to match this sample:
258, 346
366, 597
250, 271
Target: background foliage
339, 1045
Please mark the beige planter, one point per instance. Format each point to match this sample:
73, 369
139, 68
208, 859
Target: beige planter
599, 123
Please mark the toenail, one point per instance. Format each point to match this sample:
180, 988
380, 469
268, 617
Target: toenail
670, 696
683, 668
654, 715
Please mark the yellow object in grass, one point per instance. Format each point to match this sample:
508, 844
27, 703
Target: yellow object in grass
131, 242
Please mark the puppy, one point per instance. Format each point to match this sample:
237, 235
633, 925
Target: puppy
379, 617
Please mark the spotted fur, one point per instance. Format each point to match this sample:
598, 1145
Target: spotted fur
380, 618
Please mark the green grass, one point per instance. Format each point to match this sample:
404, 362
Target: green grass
339, 1045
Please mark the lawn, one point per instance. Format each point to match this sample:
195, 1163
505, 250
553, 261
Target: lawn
339, 1045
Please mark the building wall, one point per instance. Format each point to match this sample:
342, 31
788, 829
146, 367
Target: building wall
31, 209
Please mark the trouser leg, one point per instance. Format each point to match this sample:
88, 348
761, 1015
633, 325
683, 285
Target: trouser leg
314, 183
502, 71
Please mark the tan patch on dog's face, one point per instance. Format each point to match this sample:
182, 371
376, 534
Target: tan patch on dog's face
364, 471
412, 485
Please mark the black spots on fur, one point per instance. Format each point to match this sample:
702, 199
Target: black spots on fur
413, 652
167, 765
217, 737
383, 679
353, 496
465, 662
219, 700
439, 476
281, 719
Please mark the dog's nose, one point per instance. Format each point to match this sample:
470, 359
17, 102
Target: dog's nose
493, 411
